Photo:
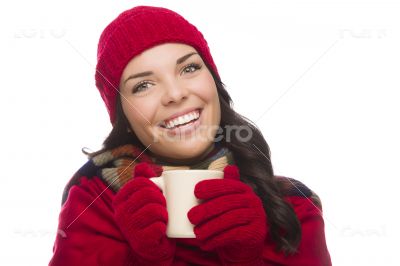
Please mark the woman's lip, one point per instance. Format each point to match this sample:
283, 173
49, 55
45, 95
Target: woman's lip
163, 123
186, 129
180, 114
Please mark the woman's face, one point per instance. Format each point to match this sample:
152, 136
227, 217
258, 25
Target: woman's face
171, 102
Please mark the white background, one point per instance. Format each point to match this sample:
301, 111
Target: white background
320, 78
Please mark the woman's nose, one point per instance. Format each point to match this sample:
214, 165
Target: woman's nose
174, 92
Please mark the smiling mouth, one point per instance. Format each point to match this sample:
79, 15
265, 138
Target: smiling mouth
182, 121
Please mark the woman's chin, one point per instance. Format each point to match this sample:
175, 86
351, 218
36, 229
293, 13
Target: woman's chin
185, 151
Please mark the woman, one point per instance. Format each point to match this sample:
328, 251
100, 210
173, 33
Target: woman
169, 109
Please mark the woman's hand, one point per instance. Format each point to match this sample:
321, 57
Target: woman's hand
231, 219
141, 214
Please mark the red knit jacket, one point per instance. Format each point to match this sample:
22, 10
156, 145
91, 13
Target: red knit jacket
88, 235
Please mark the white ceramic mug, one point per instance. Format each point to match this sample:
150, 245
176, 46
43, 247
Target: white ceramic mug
178, 189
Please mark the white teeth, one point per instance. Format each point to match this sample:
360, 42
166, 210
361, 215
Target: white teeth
182, 119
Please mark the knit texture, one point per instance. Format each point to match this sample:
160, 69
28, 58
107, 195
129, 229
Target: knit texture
90, 235
140, 207
119, 164
141, 214
230, 220
135, 31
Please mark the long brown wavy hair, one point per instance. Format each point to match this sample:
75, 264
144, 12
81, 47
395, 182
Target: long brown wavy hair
253, 159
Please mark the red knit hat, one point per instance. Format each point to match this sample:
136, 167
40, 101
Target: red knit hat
134, 31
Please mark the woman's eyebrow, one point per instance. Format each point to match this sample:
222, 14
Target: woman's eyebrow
148, 73
139, 75
183, 58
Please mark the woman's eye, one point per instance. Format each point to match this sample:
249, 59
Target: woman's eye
141, 86
191, 68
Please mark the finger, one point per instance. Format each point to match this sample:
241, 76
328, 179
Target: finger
225, 222
141, 198
143, 169
231, 172
131, 187
152, 234
155, 241
217, 206
143, 217
208, 189
230, 237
